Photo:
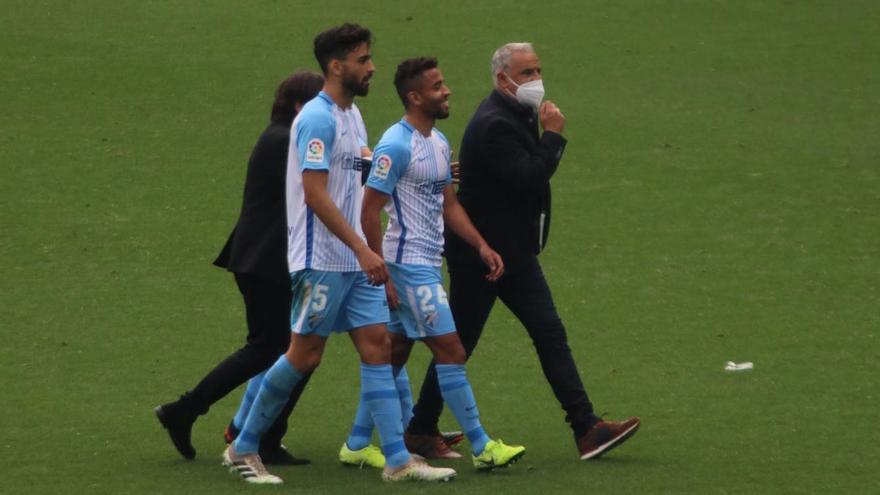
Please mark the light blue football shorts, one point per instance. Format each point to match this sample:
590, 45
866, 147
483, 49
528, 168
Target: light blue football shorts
326, 302
424, 308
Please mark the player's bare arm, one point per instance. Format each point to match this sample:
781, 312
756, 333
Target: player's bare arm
371, 224
457, 219
317, 198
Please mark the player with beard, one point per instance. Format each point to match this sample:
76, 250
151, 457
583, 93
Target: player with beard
335, 277
411, 180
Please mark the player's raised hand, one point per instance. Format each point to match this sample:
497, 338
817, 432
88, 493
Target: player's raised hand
551, 117
493, 261
373, 266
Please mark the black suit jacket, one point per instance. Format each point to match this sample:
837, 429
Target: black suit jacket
505, 181
258, 243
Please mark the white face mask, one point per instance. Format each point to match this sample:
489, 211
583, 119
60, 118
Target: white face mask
530, 93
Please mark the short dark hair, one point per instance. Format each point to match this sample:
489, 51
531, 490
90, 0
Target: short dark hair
338, 42
409, 72
299, 87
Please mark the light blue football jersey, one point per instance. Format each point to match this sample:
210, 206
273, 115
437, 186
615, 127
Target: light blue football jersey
324, 137
414, 170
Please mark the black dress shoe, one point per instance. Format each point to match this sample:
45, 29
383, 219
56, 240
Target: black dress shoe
279, 456
179, 427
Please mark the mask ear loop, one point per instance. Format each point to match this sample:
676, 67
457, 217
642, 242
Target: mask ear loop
510, 79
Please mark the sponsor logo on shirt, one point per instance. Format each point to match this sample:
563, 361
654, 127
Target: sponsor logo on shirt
432, 188
382, 167
350, 162
315, 151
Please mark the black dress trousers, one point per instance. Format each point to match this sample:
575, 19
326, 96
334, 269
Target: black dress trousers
526, 294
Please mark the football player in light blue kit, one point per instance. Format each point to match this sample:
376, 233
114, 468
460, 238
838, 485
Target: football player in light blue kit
336, 278
411, 180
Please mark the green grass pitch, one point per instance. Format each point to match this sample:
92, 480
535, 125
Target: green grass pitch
719, 200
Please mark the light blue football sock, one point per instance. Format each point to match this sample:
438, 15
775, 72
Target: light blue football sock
247, 400
401, 381
379, 395
362, 429
274, 392
458, 395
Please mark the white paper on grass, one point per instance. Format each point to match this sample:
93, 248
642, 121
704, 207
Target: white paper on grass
731, 366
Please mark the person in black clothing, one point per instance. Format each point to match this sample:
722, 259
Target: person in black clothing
506, 166
256, 253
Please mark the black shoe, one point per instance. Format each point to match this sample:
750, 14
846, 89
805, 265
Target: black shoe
279, 456
179, 428
452, 438
230, 433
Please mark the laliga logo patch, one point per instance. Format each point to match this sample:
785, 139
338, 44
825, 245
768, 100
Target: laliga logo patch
315, 151
383, 166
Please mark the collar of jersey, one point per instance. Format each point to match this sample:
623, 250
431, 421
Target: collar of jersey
326, 98
412, 129
407, 125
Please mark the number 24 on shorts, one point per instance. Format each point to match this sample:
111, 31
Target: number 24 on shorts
425, 294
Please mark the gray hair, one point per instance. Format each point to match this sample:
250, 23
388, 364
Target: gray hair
501, 57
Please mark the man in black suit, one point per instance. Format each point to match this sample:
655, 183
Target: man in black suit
256, 253
506, 166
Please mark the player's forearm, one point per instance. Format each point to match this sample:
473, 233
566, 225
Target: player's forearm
371, 217
319, 201
372, 227
457, 219
336, 223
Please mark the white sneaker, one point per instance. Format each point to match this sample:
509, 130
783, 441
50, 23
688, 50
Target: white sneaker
418, 471
250, 467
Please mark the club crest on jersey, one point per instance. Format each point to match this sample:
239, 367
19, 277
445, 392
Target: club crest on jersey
315, 151
382, 167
